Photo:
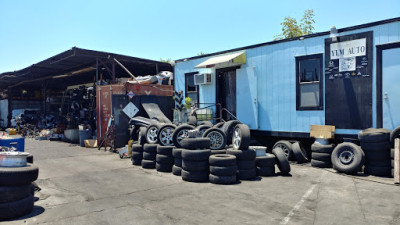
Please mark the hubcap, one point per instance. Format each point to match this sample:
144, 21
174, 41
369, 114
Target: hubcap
346, 157
152, 134
284, 148
216, 139
237, 138
166, 136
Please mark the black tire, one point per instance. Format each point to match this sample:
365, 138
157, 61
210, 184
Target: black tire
137, 162
165, 150
222, 179
164, 159
165, 134
223, 170
192, 120
321, 164
203, 128
150, 148
194, 176
181, 133
286, 146
208, 123
176, 170
378, 170
299, 152
319, 148
392, 153
148, 164
266, 171
392, 163
177, 153
166, 168
375, 146
266, 161
142, 135
241, 137
282, 161
382, 163
218, 152
228, 128
152, 133
136, 148
374, 135
247, 174
14, 193
321, 156
377, 156
217, 138
15, 209
393, 135
246, 165
149, 156
195, 143
347, 158
195, 165
219, 125
222, 160
137, 155
178, 162
29, 158
242, 154
18, 175
196, 155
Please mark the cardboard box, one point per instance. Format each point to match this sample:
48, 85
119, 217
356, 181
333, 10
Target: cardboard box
322, 131
90, 143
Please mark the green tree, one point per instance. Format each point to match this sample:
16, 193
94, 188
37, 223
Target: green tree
201, 53
166, 60
291, 29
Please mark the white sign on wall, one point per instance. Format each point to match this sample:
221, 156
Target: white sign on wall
347, 64
347, 49
130, 110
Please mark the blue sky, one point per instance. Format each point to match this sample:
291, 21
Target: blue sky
31, 31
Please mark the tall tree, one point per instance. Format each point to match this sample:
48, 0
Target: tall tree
290, 27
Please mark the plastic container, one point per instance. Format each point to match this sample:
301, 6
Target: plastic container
72, 135
20, 141
84, 135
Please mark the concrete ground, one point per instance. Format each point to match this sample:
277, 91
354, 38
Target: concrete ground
87, 186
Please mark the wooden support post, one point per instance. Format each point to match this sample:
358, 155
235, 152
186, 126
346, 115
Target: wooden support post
396, 159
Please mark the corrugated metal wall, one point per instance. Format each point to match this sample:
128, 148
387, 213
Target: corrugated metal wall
270, 70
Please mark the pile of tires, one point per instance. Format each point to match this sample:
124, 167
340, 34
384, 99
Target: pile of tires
17, 191
164, 159
195, 166
376, 146
347, 158
149, 156
293, 151
136, 154
321, 155
223, 169
281, 160
177, 167
246, 164
266, 165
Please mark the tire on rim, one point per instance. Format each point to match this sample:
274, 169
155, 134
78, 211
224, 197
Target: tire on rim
180, 133
152, 133
217, 138
228, 128
347, 158
241, 137
165, 135
286, 146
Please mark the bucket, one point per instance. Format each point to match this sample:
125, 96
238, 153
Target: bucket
322, 141
72, 135
84, 135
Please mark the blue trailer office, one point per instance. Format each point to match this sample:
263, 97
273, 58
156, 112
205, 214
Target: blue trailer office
348, 78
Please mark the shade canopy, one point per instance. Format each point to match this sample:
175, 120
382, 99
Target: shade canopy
234, 58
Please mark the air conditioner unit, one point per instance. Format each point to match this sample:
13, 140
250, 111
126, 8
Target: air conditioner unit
203, 78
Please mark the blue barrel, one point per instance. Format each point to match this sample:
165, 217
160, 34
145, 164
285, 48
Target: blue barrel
84, 135
20, 141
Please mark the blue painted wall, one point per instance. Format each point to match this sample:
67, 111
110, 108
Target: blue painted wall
269, 77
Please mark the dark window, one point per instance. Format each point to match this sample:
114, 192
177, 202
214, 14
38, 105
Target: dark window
309, 80
191, 90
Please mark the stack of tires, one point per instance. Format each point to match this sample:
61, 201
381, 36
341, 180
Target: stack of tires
281, 160
16, 190
223, 169
266, 165
246, 163
164, 159
149, 156
195, 166
376, 146
177, 167
136, 154
321, 155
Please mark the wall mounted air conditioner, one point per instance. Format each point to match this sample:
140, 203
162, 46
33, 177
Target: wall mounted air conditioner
203, 78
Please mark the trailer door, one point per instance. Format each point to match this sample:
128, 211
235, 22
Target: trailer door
390, 75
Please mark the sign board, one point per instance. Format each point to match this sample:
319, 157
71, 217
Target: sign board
130, 110
322, 131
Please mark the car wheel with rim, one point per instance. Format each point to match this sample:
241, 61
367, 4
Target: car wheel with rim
217, 138
152, 133
165, 135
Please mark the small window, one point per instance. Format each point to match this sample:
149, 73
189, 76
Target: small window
309, 82
191, 90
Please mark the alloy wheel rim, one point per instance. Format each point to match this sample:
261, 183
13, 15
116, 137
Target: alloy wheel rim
215, 139
237, 137
166, 136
